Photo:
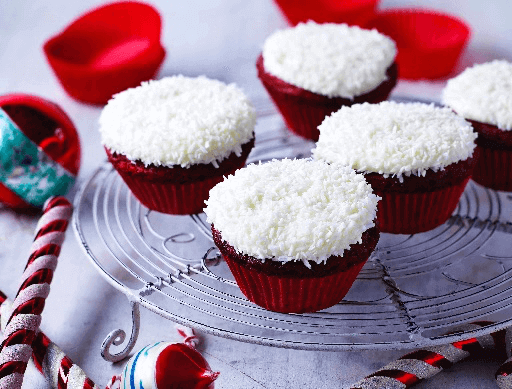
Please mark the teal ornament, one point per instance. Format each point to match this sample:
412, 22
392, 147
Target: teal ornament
26, 169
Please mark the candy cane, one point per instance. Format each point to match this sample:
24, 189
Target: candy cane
24, 317
425, 363
51, 361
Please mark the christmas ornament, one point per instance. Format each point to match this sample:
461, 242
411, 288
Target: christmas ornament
39, 151
168, 365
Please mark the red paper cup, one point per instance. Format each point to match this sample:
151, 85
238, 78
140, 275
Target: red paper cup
353, 12
293, 295
494, 167
176, 190
411, 213
429, 42
107, 50
177, 199
420, 203
51, 131
298, 290
303, 111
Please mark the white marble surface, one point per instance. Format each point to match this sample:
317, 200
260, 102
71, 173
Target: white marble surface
219, 38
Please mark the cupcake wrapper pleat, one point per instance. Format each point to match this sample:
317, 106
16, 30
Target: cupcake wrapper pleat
411, 213
494, 169
293, 295
166, 197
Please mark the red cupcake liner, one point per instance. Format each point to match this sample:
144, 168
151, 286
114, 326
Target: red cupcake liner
429, 42
494, 166
411, 213
175, 190
293, 295
167, 197
107, 50
353, 12
494, 169
303, 111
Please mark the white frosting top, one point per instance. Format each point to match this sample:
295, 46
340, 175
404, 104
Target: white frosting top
334, 60
178, 121
292, 210
395, 138
483, 93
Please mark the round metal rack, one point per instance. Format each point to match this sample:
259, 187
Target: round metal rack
415, 291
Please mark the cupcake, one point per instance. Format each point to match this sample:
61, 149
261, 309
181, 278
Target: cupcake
172, 140
294, 233
312, 70
483, 95
417, 157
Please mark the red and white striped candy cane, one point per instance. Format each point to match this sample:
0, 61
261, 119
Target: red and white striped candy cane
51, 361
24, 317
425, 363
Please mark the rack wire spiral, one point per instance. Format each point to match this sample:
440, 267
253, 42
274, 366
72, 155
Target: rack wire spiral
415, 291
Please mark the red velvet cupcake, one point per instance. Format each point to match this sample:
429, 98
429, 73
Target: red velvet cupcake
294, 233
483, 95
172, 140
417, 157
312, 70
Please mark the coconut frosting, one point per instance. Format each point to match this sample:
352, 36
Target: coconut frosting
335, 60
483, 93
292, 210
178, 121
395, 139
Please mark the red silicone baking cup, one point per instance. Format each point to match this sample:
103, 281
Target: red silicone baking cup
107, 50
60, 141
303, 111
411, 213
494, 166
293, 295
429, 42
353, 12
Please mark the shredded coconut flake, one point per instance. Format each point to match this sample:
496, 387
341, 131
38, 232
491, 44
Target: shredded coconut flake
483, 93
178, 121
335, 60
395, 139
299, 210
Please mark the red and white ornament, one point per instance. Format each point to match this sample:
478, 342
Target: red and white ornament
167, 365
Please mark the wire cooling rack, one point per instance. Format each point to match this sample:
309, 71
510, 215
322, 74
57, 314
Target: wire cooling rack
415, 291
